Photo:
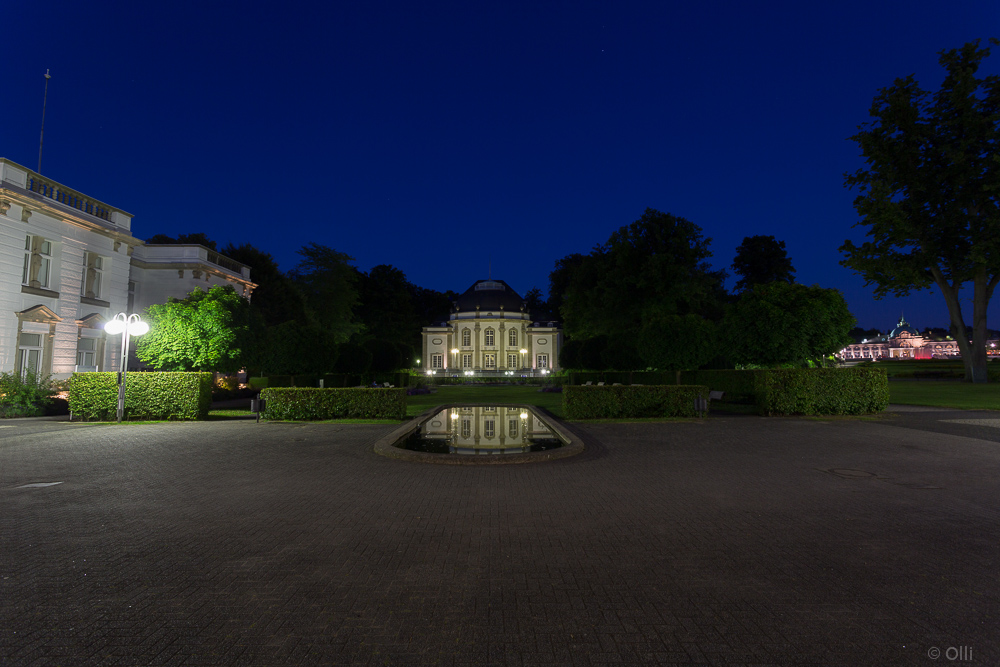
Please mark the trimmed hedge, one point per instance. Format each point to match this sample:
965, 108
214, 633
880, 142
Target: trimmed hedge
739, 386
822, 391
624, 377
353, 403
330, 380
802, 391
630, 402
94, 396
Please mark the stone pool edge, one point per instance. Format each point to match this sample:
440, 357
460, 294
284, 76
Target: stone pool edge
572, 445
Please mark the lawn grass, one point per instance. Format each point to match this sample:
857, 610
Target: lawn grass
485, 395
945, 394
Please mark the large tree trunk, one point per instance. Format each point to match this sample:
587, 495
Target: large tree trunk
958, 330
980, 299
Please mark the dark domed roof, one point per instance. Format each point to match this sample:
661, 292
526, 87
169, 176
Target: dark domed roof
903, 326
489, 296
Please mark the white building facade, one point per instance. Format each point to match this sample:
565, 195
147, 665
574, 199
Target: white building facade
69, 263
490, 333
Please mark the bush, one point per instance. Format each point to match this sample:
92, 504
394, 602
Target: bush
353, 403
94, 396
24, 396
822, 391
809, 391
627, 402
739, 386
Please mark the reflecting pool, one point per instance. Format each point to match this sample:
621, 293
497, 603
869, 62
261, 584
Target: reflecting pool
482, 430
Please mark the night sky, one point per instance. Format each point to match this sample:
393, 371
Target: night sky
441, 137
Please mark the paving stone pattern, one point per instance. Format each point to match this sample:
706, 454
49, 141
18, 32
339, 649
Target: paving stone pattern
728, 541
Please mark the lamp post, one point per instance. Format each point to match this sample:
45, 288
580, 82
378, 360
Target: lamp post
126, 325
454, 356
523, 352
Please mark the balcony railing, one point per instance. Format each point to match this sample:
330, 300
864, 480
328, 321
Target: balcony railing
70, 198
225, 262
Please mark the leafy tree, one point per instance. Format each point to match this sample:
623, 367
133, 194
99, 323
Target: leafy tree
678, 342
536, 305
780, 323
657, 264
199, 238
386, 305
276, 295
930, 194
652, 269
206, 331
760, 260
859, 334
562, 276
328, 282
354, 358
292, 348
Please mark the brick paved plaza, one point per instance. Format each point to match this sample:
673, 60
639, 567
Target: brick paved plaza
728, 541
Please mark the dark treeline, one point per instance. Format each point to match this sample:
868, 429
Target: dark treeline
325, 315
646, 298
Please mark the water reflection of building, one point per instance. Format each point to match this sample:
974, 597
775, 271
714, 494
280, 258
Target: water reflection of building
487, 430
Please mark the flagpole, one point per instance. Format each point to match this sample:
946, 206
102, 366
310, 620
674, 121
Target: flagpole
44, 102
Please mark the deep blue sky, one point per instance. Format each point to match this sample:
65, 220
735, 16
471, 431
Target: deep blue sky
436, 136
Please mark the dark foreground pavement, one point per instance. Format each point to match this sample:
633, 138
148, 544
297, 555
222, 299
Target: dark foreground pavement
732, 541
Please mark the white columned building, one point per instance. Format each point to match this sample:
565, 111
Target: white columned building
69, 263
488, 328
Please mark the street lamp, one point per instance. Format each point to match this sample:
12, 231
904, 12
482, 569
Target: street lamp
523, 352
454, 354
126, 325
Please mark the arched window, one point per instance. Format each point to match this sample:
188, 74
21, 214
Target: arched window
488, 337
512, 338
466, 337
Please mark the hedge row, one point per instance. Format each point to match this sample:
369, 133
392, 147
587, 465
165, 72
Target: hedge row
806, 391
94, 396
330, 380
352, 403
628, 402
624, 377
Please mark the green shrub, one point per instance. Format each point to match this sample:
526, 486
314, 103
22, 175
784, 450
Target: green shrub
24, 396
94, 396
628, 402
822, 391
623, 377
739, 386
806, 391
352, 403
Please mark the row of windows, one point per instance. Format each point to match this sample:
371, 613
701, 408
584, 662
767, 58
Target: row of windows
489, 361
37, 269
489, 337
489, 428
29, 353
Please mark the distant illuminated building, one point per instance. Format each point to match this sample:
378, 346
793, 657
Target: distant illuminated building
905, 342
490, 333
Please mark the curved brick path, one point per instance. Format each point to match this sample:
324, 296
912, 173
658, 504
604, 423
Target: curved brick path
730, 541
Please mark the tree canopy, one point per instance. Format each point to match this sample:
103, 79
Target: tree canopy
781, 323
328, 282
205, 331
760, 260
928, 195
199, 238
654, 270
656, 264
